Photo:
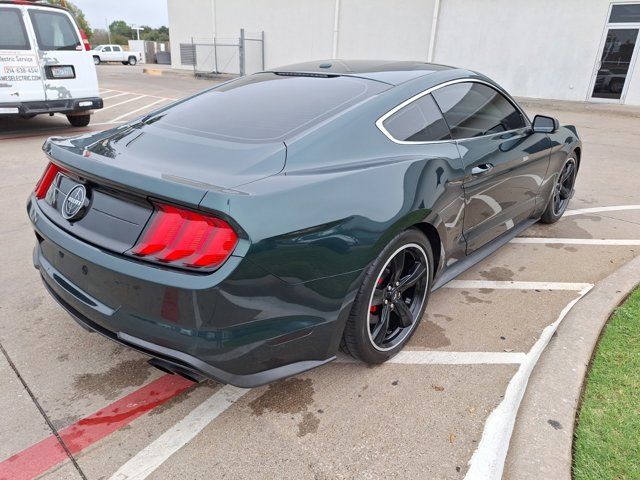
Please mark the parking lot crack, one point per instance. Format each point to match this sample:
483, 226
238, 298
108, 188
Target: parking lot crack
42, 412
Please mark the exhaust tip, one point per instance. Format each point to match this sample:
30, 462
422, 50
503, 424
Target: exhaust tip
172, 369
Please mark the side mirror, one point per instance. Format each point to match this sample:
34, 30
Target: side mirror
544, 124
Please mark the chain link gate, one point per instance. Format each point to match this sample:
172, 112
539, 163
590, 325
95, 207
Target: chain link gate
225, 54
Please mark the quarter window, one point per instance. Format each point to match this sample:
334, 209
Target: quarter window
13, 36
420, 121
54, 31
473, 109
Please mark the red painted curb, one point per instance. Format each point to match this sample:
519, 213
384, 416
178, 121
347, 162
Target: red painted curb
46, 454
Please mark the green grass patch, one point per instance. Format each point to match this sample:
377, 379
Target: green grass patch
607, 441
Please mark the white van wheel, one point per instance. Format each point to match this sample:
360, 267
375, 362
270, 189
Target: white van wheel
132, 61
96, 60
79, 120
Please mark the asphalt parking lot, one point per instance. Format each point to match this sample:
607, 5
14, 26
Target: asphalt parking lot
423, 415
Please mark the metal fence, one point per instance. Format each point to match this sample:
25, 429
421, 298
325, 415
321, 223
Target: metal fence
225, 54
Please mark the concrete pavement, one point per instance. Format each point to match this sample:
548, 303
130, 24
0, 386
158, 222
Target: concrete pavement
423, 418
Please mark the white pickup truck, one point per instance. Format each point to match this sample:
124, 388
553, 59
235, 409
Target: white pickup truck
114, 53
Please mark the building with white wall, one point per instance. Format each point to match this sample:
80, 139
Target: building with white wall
583, 50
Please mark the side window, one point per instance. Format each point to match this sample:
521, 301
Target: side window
474, 109
106, 49
54, 30
420, 121
117, 49
13, 35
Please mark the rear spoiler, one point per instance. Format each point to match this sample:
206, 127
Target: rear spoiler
64, 152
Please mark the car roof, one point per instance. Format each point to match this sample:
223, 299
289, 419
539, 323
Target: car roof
393, 72
32, 3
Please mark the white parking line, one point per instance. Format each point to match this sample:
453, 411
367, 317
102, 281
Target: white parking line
114, 96
487, 462
429, 357
420, 357
156, 453
514, 285
575, 241
138, 93
107, 123
121, 103
613, 208
136, 110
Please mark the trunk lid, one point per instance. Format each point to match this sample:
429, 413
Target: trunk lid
122, 169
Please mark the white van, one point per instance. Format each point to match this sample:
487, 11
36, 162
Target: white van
44, 67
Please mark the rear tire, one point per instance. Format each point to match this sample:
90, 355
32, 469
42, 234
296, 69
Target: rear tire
133, 61
79, 120
386, 312
563, 190
96, 60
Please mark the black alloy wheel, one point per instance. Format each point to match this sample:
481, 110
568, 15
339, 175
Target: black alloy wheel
391, 300
562, 192
397, 299
563, 189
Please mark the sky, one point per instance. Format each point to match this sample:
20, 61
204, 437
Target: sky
139, 12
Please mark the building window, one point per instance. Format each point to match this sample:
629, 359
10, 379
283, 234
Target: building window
625, 13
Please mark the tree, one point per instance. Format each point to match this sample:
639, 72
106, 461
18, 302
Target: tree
119, 39
100, 36
77, 13
120, 27
160, 34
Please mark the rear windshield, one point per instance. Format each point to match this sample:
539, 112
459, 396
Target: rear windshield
13, 36
266, 106
54, 30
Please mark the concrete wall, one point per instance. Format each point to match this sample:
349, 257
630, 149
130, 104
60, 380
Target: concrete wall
534, 48
185, 22
541, 48
295, 30
380, 29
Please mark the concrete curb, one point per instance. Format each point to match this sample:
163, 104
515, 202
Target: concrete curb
541, 445
167, 72
545, 105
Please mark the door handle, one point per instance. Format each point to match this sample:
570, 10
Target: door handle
482, 168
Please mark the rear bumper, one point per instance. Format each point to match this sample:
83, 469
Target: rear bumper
70, 105
237, 325
182, 362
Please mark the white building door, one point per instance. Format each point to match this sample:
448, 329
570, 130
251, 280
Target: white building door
618, 53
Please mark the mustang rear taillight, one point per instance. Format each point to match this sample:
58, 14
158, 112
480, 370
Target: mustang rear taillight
183, 238
42, 187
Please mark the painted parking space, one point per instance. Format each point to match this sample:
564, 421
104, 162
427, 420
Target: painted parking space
422, 415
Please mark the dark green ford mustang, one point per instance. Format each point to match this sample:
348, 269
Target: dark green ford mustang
248, 232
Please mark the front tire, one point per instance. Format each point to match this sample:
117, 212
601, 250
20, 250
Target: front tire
562, 191
133, 61
391, 300
79, 120
96, 60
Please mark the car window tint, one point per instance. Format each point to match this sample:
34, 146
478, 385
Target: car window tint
13, 35
106, 49
474, 109
266, 106
54, 31
420, 121
117, 49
